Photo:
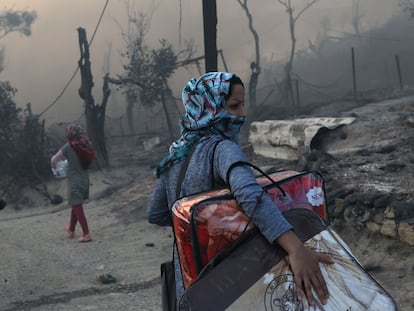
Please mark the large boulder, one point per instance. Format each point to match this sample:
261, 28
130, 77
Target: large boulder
289, 139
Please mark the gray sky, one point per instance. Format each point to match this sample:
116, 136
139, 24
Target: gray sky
39, 66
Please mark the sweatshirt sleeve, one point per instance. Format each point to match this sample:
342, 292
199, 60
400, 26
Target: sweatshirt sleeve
244, 187
158, 211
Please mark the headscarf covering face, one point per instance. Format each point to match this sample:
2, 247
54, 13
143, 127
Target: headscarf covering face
205, 115
80, 142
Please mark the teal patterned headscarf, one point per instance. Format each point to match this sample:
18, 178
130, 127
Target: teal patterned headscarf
205, 115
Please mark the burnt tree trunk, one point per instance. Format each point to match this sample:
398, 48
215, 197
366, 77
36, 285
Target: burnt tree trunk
94, 114
287, 94
166, 94
131, 100
255, 65
289, 65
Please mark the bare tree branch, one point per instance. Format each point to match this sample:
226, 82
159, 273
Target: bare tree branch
305, 8
288, 93
94, 113
255, 65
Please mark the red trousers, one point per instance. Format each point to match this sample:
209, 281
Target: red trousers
76, 215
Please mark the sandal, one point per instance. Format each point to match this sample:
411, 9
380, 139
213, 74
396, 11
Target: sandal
85, 238
69, 234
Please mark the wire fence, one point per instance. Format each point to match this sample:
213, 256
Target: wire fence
356, 77
368, 78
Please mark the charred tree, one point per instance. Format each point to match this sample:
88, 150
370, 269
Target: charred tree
356, 17
407, 6
287, 86
148, 70
255, 65
94, 113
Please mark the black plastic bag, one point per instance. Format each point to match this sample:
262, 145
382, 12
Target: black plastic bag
168, 286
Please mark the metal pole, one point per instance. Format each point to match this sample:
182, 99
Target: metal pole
210, 34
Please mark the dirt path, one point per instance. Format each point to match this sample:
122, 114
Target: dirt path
43, 270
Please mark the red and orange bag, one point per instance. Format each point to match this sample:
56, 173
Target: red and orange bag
206, 223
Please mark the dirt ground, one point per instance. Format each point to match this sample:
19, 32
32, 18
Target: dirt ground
40, 269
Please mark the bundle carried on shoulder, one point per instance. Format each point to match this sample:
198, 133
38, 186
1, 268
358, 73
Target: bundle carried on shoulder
227, 264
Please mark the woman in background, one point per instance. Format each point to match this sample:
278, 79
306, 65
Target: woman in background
79, 153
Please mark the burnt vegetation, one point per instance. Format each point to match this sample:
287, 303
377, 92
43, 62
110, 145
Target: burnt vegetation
23, 144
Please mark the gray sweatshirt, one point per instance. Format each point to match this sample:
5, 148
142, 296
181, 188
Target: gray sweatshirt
202, 174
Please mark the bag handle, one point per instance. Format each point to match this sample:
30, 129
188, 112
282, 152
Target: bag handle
240, 163
185, 166
213, 184
183, 172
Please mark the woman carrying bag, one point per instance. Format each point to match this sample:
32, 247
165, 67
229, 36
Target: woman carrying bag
214, 114
79, 153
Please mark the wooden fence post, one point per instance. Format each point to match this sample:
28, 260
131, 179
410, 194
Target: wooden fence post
354, 74
297, 94
397, 61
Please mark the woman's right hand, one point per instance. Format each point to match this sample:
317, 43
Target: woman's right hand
304, 263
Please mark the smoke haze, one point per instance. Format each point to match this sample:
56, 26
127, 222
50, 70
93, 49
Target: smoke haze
39, 66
